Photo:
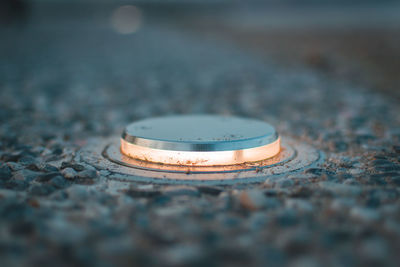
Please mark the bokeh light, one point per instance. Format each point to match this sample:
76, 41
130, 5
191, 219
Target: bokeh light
126, 19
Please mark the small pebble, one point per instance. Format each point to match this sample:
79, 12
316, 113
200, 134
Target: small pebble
27, 160
279, 183
284, 183
14, 166
215, 191
287, 218
374, 250
302, 192
104, 173
381, 162
376, 179
182, 254
5, 173
77, 192
47, 176
47, 168
69, 173
395, 180
26, 175
59, 182
364, 214
341, 189
258, 220
87, 174
351, 181
255, 199
305, 262
173, 191
388, 167
41, 189
342, 203
145, 192
299, 204
355, 171
319, 172
76, 167
18, 185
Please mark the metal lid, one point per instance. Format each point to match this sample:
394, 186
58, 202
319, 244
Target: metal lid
200, 133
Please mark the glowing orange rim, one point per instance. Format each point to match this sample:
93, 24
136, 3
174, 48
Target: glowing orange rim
194, 158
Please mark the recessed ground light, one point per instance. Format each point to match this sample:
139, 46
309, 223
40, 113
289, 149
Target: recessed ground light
200, 140
198, 149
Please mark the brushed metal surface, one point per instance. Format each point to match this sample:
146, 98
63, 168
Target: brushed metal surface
200, 133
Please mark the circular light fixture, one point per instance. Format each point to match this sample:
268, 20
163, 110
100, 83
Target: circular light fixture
200, 140
198, 149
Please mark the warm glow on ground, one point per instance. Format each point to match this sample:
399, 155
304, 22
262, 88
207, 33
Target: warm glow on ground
208, 158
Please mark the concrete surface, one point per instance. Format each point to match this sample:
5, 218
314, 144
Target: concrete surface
63, 81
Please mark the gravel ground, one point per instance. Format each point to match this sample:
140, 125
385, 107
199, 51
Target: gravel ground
66, 81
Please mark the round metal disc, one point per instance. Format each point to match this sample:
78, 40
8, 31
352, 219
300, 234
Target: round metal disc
200, 133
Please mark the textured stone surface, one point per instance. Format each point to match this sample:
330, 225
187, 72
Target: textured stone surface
61, 84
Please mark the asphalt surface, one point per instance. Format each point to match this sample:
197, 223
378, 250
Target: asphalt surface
64, 81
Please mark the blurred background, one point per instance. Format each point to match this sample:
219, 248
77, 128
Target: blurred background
356, 39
